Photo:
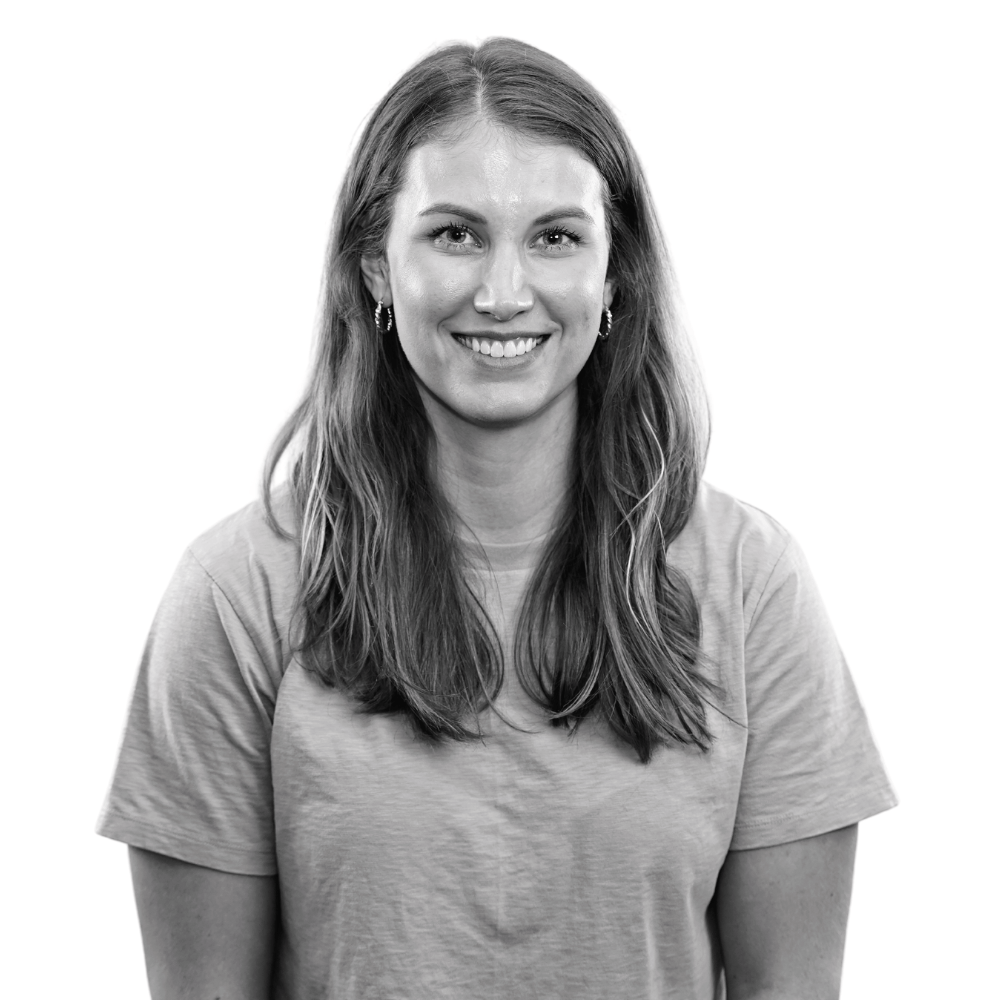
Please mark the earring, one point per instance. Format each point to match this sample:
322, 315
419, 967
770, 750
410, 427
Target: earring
378, 318
604, 331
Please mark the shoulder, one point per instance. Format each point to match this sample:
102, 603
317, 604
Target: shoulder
723, 531
733, 554
254, 568
244, 540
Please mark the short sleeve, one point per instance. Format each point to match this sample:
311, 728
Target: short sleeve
811, 764
193, 777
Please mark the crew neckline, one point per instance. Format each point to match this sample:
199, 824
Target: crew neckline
501, 556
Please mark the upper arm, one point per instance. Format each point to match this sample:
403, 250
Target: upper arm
810, 764
193, 777
782, 914
205, 933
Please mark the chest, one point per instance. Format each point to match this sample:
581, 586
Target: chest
538, 809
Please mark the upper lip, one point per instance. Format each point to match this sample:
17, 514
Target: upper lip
501, 336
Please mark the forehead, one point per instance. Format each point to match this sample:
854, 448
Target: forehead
498, 171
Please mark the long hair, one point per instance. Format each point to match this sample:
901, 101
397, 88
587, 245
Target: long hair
385, 607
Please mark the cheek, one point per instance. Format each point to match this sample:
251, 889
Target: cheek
423, 293
577, 299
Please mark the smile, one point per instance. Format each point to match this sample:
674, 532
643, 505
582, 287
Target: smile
501, 348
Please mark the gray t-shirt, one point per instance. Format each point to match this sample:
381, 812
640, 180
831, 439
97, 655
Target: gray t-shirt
532, 865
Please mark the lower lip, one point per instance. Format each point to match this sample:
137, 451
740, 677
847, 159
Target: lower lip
502, 362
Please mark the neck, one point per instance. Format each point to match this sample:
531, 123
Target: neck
506, 484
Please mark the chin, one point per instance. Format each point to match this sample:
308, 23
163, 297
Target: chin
500, 416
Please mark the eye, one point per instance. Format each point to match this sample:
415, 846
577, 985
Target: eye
557, 240
454, 236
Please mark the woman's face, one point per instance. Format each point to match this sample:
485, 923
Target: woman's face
496, 268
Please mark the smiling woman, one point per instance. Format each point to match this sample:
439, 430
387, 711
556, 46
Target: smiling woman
495, 697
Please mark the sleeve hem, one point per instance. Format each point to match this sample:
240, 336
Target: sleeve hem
136, 833
789, 827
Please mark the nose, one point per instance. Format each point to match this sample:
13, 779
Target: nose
504, 291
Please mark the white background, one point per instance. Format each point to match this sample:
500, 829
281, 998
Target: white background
826, 175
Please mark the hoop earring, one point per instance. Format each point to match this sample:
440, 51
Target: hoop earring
378, 318
604, 331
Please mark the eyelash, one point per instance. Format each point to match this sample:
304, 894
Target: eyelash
460, 227
562, 231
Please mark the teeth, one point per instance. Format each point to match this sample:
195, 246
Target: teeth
500, 348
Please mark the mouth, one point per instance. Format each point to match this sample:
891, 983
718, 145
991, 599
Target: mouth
508, 348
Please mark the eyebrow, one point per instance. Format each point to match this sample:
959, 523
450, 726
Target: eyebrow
448, 208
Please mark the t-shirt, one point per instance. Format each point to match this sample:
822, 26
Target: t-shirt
530, 864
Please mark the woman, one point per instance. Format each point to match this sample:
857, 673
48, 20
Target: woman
495, 697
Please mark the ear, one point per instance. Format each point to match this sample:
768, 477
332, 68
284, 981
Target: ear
375, 271
610, 291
